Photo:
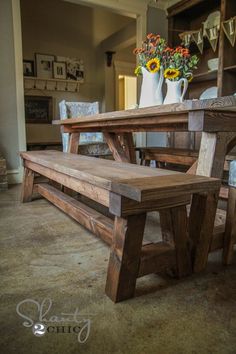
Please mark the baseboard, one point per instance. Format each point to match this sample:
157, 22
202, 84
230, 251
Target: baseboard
15, 176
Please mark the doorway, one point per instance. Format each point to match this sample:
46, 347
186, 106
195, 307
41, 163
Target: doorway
127, 95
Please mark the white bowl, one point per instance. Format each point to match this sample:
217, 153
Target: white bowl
213, 64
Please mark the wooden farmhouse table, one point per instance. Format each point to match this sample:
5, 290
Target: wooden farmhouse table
214, 118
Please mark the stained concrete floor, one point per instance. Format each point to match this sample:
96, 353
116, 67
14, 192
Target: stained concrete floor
45, 254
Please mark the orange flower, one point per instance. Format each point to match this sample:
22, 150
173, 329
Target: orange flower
168, 49
185, 52
138, 50
150, 35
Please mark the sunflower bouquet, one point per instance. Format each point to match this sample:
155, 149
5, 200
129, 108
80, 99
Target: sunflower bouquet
150, 55
178, 63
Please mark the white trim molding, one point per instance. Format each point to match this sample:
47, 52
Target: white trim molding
15, 176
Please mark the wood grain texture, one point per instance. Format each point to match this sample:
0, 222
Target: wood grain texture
169, 155
168, 114
201, 225
95, 193
74, 143
121, 206
132, 181
181, 241
125, 255
230, 228
127, 143
212, 121
92, 220
27, 185
157, 258
116, 148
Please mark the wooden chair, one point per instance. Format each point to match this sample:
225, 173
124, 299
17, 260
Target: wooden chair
91, 144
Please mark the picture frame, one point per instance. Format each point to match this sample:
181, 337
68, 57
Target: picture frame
44, 65
74, 68
59, 70
38, 109
28, 67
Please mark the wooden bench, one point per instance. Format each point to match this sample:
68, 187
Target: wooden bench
130, 191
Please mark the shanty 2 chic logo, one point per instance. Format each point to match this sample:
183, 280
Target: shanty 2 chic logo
40, 323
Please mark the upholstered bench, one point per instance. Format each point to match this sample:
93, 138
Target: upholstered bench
130, 191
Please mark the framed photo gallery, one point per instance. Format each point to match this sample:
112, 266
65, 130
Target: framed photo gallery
47, 66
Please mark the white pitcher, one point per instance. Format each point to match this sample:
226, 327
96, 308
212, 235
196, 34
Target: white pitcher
151, 90
174, 88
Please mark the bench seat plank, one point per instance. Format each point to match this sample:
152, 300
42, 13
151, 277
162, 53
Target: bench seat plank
132, 181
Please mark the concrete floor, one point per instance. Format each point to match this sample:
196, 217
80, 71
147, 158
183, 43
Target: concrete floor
45, 254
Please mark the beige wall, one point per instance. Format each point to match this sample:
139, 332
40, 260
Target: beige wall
65, 29
9, 144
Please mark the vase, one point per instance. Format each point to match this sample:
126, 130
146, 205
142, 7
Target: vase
151, 89
174, 88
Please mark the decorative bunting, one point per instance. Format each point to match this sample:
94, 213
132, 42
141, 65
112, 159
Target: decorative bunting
213, 36
186, 38
197, 37
229, 28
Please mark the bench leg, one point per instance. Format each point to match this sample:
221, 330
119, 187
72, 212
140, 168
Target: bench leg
181, 241
174, 228
125, 257
27, 186
201, 225
230, 228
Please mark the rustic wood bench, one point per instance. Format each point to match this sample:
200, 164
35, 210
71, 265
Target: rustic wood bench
130, 191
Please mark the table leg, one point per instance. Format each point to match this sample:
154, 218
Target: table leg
230, 228
27, 186
127, 143
214, 147
74, 143
125, 257
122, 149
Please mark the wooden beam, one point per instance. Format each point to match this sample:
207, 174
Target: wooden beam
156, 258
125, 254
91, 219
121, 206
212, 121
27, 185
100, 195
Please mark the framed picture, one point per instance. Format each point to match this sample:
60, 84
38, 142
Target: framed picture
28, 67
59, 70
38, 109
74, 68
44, 64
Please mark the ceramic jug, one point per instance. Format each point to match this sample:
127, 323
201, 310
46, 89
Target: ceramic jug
174, 88
151, 89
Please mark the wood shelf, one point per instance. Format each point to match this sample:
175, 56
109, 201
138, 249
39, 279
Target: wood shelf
38, 83
231, 68
205, 76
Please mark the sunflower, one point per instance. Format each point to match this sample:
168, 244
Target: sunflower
171, 73
138, 70
190, 78
153, 65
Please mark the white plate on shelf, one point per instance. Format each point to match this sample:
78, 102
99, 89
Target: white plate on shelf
213, 20
211, 92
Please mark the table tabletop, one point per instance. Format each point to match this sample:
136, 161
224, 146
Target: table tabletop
192, 115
